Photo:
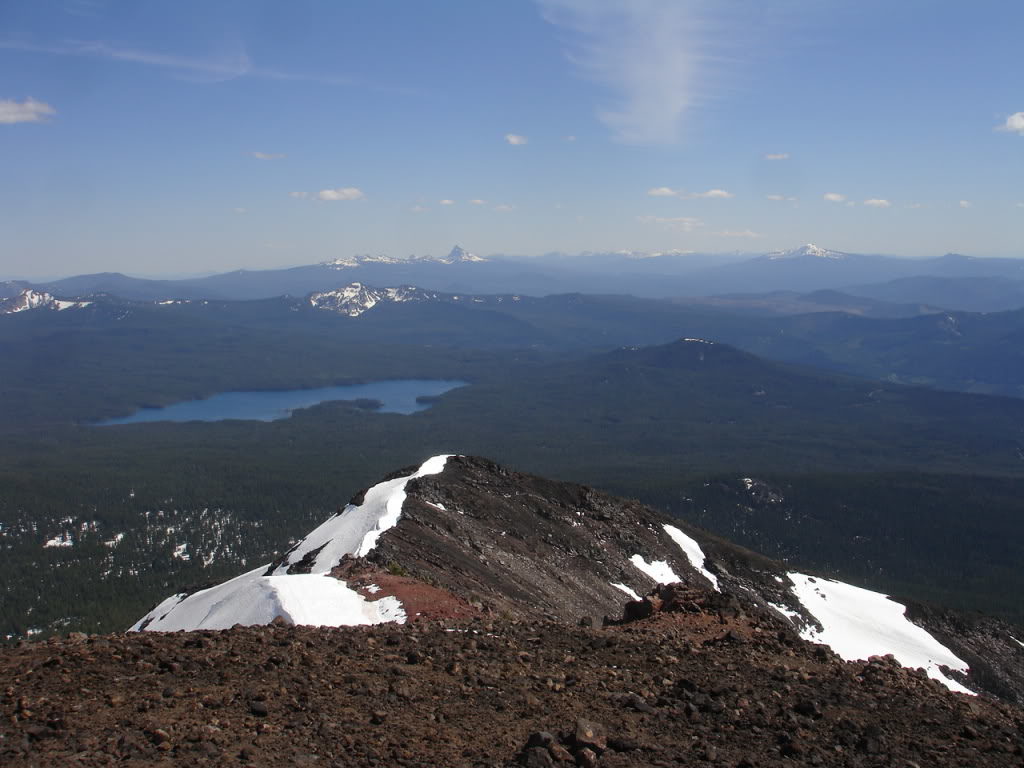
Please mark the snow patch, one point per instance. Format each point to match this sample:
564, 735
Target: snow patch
355, 530
858, 623
659, 570
623, 588
62, 540
314, 598
256, 599
693, 553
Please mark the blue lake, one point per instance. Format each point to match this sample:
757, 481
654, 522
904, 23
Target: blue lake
397, 396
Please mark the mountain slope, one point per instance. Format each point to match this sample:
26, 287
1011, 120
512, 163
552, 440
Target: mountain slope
464, 532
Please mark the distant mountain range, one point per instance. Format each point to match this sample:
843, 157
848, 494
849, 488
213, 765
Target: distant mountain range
992, 284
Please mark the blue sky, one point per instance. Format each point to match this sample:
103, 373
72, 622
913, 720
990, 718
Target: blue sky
187, 137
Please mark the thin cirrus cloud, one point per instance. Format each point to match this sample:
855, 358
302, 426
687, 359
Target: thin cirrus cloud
446, 201
742, 233
477, 201
877, 202
515, 139
227, 64
27, 111
966, 204
719, 194
833, 197
781, 198
1014, 124
504, 207
777, 156
682, 223
268, 155
341, 193
648, 54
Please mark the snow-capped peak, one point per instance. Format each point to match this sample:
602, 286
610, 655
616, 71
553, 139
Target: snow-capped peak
356, 298
810, 249
32, 299
460, 254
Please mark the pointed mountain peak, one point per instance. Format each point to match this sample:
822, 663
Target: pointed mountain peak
458, 253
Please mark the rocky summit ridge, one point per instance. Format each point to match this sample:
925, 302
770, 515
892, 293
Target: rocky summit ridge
485, 617
459, 535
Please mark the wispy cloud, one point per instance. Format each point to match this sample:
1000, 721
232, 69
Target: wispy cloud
777, 156
478, 201
447, 202
341, 193
744, 233
570, 138
515, 139
877, 202
239, 210
646, 52
268, 155
219, 66
833, 197
682, 223
27, 111
781, 198
298, 195
418, 209
669, 192
1014, 124
504, 207
966, 204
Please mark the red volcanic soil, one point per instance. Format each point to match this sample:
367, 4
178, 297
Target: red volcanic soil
703, 687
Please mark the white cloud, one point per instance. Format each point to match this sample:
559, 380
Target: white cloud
833, 197
515, 139
877, 202
268, 155
781, 198
719, 194
341, 193
504, 207
966, 204
1014, 124
669, 192
478, 201
27, 111
645, 52
298, 195
915, 206
777, 156
683, 223
746, 233
418, 209
447, 202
